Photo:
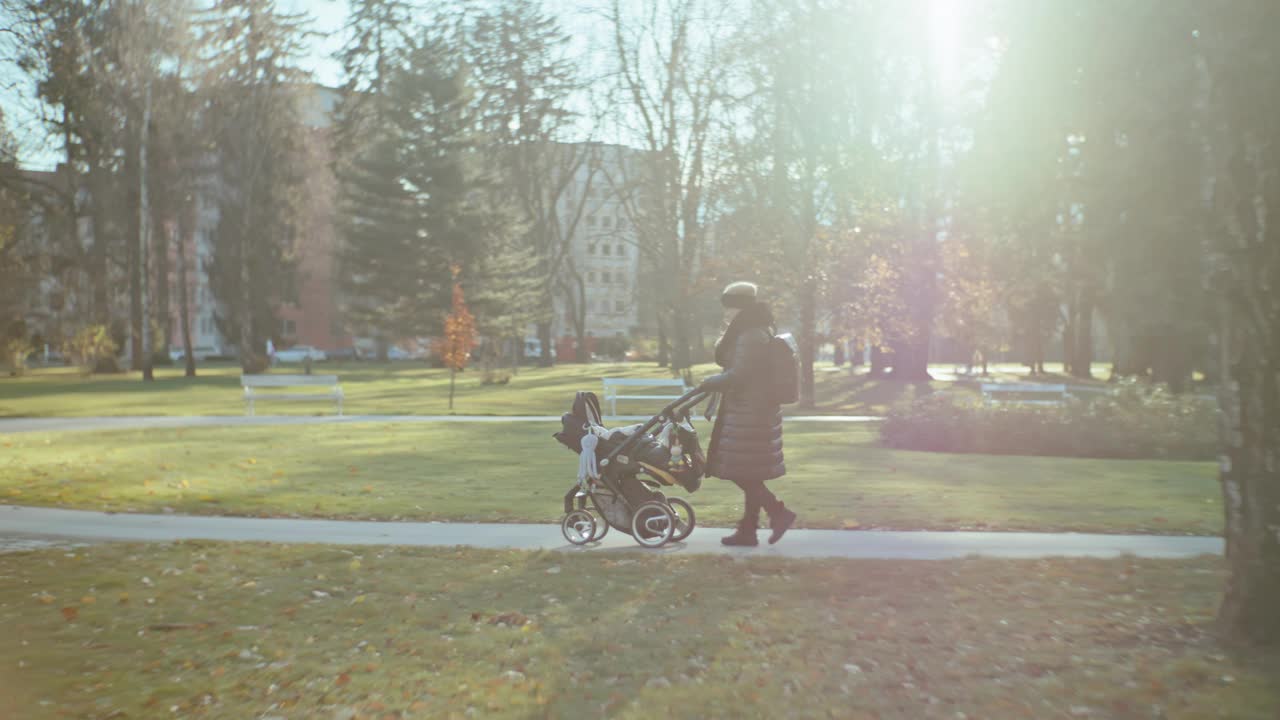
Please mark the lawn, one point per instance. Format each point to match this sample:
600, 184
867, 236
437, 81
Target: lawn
839, 477
386, 389
300, 632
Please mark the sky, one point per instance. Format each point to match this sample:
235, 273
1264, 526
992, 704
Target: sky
328, 17
38, 151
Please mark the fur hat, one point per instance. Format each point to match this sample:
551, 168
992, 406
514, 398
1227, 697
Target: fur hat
740, 295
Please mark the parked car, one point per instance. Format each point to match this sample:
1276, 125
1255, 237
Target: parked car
346, 354
398, 353
201, 353
300, 353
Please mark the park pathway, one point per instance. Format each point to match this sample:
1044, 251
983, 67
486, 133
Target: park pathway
148, 422
19, 524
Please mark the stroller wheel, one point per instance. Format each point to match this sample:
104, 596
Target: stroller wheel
653, 524
578, 527
685, 519
602, 526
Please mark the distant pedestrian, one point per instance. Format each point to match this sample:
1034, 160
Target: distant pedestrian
746, 442
271, 353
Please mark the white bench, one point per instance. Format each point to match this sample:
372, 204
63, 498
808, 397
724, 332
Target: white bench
612, 397
1039, 392
252, 384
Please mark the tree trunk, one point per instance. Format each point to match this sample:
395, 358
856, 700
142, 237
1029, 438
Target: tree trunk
1082, 364
664, 349
879, 362
184, 235
161, 241
144, 226
680, 344
453, 376
545, 339
1069, 340
1250, 477
808, 342
839, 358
100, 271
133, 263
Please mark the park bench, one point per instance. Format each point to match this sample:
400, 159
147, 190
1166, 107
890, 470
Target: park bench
611, 386
1024, 393
252, 385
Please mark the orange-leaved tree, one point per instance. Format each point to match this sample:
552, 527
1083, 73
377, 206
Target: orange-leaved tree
459, 335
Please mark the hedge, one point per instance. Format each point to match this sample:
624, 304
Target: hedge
1135, 422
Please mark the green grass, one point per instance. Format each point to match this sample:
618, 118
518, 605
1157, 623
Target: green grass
509, 472
255, 631
385, 389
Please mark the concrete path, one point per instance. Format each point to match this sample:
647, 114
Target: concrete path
145, 422
78, 525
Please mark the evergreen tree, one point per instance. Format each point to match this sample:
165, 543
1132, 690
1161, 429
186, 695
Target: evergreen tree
255, 120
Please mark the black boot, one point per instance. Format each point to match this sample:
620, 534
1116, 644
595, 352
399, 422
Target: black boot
745, 535
780, 521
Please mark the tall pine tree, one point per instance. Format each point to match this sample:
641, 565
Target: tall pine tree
259, 149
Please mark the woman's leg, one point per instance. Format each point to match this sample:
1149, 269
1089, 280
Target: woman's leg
751, 500
745, 533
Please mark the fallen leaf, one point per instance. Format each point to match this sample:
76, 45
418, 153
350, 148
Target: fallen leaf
45, 598
850, 524
70, 613
88, 600
343, 679
354, 564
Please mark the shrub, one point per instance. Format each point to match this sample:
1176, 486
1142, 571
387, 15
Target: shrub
92, 348
1135, 422
16, 351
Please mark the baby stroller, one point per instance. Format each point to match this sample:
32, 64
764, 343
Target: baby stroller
622, 471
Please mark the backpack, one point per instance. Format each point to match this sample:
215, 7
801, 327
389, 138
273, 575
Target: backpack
784, 369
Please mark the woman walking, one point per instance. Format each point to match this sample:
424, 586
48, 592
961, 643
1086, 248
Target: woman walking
746, 442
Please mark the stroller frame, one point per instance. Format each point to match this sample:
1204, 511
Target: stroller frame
616, 466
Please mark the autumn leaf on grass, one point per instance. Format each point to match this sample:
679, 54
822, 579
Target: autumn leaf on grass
850, 524
88, 600
70, 613
45, 598
354, 564
343, 679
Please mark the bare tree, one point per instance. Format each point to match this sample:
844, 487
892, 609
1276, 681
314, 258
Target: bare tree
673, 78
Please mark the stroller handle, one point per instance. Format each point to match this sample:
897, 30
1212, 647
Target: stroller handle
691, 398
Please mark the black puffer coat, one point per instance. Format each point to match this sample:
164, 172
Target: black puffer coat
746, 443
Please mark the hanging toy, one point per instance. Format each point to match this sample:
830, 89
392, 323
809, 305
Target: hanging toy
587, 469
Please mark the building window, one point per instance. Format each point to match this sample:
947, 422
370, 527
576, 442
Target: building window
591, 221
606, 222
591, 276
617, 305
621, 250
605, 278
591, 249
605, 249
288, 328
604, 306
622, 223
